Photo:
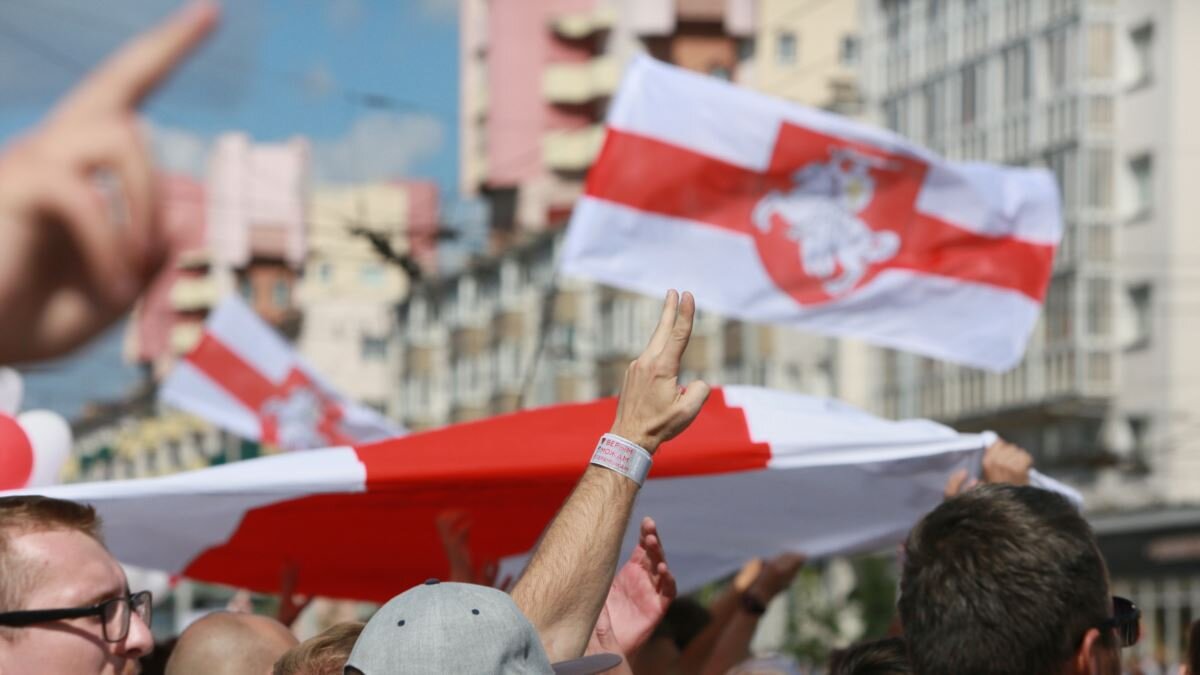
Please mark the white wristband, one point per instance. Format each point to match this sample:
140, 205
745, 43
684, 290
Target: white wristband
623, 456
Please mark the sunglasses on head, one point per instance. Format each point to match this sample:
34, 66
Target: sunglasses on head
1126, 621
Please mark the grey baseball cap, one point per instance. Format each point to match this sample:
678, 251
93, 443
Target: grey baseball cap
458, 628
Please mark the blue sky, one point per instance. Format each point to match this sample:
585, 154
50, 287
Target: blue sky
276, 68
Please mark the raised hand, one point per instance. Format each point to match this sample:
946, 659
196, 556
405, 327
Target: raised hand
80, 231
653, 408
1004, 462
641, 592
776, 575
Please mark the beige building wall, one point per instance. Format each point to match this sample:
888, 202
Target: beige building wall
348, 293
805, 51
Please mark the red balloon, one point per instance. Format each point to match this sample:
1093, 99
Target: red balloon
16, 455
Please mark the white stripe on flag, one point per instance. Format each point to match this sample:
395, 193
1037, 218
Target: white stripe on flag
164, 523
190, 390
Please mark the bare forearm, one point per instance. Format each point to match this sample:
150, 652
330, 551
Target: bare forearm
698, 650
563, 589
733, 647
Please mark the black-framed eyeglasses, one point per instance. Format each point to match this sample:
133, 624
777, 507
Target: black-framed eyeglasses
1126, 621
114, 614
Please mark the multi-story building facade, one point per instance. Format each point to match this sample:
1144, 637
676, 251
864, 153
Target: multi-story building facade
471, 341
242, 229
349, 292
257, 222
1096, 91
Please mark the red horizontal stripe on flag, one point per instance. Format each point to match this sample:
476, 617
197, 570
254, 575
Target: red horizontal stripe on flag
665, 179
231, 372
509, 474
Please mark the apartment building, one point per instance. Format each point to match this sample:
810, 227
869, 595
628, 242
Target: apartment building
1098, 91
350, 291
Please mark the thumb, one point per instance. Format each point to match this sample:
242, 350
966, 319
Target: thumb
693, 398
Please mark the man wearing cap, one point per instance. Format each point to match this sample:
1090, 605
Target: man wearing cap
465, 628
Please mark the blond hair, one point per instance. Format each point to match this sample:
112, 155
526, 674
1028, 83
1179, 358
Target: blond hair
323, 654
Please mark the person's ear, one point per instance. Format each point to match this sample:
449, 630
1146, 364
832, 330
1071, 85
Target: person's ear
1087, 657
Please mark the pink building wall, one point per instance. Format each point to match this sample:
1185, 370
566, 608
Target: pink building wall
257, 200
521, 43
184, 215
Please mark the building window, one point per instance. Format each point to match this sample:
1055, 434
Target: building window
786, 51
720, 71
1100, 51
1139, 433
933, 10
281, 293
972, 82
1099, 178
374, 348
745, 50
1016, 75
1099, 318
1143, 55
933, 110
1141, 298
371, 275
1056, 58
849, 52
1141, 171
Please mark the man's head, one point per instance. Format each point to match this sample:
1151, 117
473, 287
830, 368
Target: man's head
323, 654
1006, 580
228, 643
888, 656
51, 557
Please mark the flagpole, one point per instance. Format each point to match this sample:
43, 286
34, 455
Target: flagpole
545, 321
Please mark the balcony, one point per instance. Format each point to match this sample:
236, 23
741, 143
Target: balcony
195, 294
575, 83
572, 150
579, 25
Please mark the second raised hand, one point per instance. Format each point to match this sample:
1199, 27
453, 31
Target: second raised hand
652, 408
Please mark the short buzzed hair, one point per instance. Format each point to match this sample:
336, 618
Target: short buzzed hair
323, 654
1001, 580
24, 514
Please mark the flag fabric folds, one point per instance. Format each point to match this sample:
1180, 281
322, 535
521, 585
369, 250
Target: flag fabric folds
759, 472
773, 212
246, 379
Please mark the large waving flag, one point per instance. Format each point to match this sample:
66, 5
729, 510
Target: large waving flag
243, 377
773, 212
759, 472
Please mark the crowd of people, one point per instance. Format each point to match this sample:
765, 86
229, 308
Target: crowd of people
1000, 579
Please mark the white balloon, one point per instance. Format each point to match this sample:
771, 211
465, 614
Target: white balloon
50, 436
12, 390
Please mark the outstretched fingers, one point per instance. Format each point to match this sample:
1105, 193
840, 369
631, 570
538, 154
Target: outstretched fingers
666, 322
122, 81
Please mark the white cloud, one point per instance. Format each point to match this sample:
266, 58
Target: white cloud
443, 10
379, 146
180, 151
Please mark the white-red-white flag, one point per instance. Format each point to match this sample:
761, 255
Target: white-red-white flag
759, 472
243, 377
773, 212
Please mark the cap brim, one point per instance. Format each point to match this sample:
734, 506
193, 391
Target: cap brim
587, 665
